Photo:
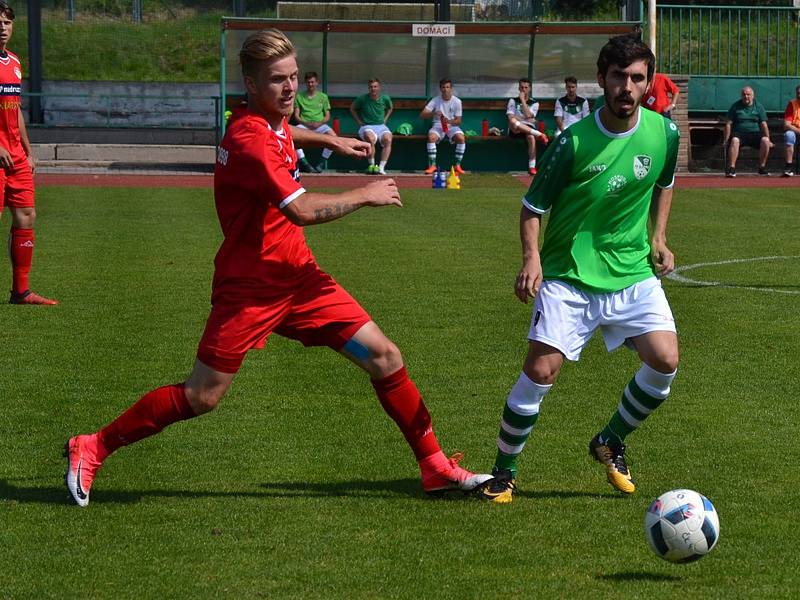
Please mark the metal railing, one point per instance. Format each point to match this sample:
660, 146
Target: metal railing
728, 40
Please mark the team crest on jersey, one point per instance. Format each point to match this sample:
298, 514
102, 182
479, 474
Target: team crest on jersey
641, 165
17, 72
616, 183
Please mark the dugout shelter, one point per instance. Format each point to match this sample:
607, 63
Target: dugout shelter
484, 60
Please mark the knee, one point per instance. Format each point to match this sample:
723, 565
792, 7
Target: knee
541, 372
385, 359
665, 361
24, 218
386, 142
204, 399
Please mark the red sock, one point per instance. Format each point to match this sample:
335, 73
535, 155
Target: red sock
401, 400
21, 249
154, 411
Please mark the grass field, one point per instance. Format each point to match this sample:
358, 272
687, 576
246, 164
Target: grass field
300, 487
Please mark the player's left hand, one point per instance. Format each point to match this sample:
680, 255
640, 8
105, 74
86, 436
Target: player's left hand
351, 147
32, 162
663, 259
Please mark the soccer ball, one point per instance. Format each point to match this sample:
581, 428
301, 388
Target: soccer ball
681, 526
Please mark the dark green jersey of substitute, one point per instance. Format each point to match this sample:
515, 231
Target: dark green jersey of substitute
597, 186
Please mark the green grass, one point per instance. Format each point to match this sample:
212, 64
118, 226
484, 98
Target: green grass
300, 487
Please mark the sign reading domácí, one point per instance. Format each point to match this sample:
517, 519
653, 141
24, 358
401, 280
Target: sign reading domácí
433, 30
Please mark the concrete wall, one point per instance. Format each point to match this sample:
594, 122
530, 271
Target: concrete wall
129, 104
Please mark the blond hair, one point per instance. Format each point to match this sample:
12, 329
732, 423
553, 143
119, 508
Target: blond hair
263, 46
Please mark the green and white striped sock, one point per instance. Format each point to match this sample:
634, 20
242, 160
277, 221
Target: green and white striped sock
644, 393
519, 416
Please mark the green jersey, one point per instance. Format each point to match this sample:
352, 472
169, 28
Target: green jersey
312, 108
746, 119
372, 112
598, 186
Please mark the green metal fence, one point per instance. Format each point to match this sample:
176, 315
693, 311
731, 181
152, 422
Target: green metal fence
729, 40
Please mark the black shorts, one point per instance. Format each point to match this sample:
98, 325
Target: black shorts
749, 139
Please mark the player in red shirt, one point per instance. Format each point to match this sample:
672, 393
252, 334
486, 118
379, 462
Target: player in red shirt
266, 280
662, 96
16, 168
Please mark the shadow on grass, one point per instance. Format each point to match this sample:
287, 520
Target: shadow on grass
628, 576
279, 489
541, 494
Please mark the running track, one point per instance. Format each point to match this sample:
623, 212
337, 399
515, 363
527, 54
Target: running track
350, 181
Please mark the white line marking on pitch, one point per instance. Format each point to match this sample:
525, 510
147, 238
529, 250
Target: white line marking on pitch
676, 274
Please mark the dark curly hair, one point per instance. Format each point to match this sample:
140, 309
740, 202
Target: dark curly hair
623, 50
6, 10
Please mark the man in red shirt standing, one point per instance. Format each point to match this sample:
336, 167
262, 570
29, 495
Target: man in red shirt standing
662, 97
16, 168
266, 280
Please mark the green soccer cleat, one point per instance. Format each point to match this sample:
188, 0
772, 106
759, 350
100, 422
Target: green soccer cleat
613, 457
500, 489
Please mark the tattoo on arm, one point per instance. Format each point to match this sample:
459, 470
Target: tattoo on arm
333, 211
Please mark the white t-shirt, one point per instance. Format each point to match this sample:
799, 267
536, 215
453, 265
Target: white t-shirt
515, 108
449, 108
571, 111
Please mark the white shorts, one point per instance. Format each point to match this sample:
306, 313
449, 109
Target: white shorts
378, 130
565, 317
440, 134
324, 128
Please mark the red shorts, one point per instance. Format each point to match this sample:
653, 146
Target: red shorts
16, 186
319, 313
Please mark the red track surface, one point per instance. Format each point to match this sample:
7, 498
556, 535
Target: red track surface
351, 181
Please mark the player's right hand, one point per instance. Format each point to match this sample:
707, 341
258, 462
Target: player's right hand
6, 162
529, 279
383, 192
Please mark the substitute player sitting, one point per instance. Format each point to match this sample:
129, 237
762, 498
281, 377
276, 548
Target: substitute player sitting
312, 110
521, 112
446, 111
600, 262
266, 280
16, 169
371, 111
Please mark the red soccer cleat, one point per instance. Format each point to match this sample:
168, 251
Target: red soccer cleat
29, 297
459, 170
82, 466
533, 171
440, 474
430, 170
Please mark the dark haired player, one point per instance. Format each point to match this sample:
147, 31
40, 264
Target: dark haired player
598, 266
16, 168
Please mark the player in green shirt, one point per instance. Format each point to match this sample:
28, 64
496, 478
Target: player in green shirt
372, 111
602, 182
312, 110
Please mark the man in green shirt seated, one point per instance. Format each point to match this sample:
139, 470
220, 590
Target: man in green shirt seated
312, 110
747, 124
372, 111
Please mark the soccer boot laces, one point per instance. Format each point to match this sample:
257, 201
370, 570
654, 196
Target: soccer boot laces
613, 457
440, 474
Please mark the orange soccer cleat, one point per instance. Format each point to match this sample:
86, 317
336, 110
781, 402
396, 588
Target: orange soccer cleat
459, 170
440, 474
430, 170
82, 466
29, 297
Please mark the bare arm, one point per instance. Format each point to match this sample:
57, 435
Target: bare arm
529, 278
675, 99
660, 206
787, 126
426, 114
726, 135
296, 116
764, 129
354, 113
305, 138
26, 143
311, 208
387, 115
326, 118
559, 123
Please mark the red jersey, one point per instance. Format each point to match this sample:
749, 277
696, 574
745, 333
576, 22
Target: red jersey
263, 253
656, 98
10, 93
